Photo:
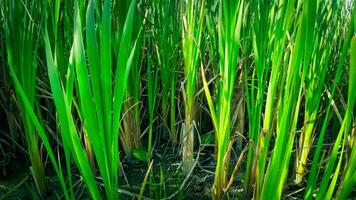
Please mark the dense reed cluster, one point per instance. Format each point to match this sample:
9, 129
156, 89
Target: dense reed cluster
178, 99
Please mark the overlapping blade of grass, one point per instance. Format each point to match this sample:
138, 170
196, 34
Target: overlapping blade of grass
193, 17
314, 75
68, 130
58, 17
21, 72
124, 63
255, 94
288, 106
59, 28
230, 17
281, 21
90, 86
87, 103
291, 47
314, 172
131, 131
21, 35
211, 39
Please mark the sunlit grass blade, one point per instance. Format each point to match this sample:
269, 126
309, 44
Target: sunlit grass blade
96, 82
282, 17
314, 76
288, 106
41, 133
230, 16
255, 94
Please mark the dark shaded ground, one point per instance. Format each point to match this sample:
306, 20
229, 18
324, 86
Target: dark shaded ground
165, 181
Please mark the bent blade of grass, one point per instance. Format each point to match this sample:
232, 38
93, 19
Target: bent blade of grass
41, 133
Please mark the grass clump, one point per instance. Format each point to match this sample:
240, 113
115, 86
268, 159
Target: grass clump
230, 15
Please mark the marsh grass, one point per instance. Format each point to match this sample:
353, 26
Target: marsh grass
121, 79
192, 28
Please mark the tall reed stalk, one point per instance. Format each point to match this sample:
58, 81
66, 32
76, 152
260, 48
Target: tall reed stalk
268, 22
261, 32
314, 75
314, 172
193, 17
289, 103
230, 17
